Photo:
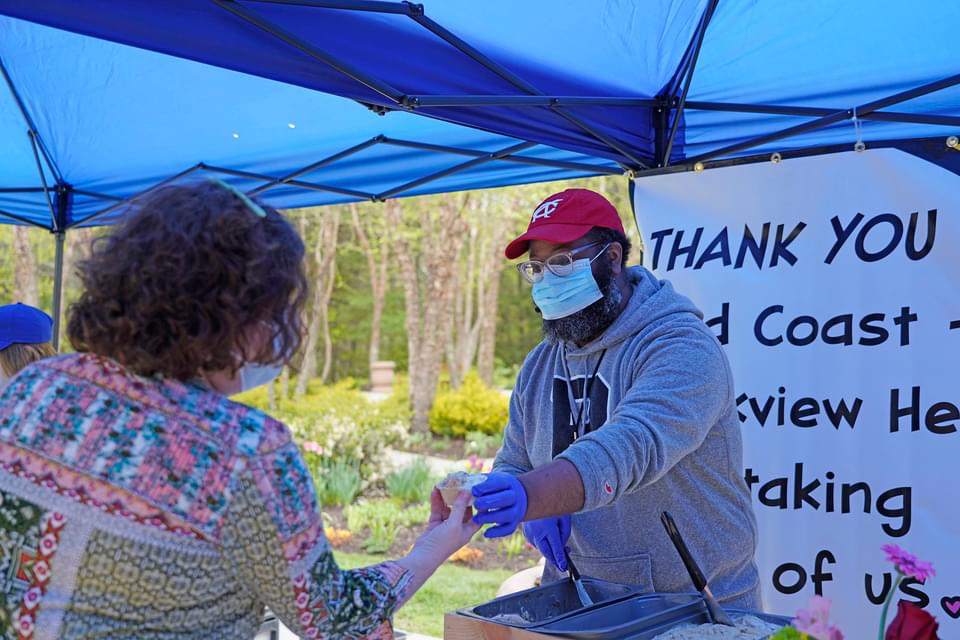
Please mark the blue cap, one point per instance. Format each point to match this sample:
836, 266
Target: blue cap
23, 324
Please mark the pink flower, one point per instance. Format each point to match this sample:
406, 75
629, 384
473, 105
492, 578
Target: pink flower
312, 447
474, 463
303, 600
306, 618
907, 563
32, 598
25, 625
313, 632
41, 570
48, 544
814, 620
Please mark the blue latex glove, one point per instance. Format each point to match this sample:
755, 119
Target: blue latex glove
500, 500
549, 535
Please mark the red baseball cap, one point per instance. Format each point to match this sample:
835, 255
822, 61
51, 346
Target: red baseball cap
565, 217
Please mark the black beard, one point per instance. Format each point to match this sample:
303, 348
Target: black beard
587, 324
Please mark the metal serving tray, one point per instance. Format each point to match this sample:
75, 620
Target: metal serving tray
548, 603
641, 617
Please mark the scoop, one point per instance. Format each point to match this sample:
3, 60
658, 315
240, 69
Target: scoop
718, 615
575, 576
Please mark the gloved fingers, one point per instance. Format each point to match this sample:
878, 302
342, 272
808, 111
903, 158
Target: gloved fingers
499, 500
500, 531
494, 483
498, 516
565, 526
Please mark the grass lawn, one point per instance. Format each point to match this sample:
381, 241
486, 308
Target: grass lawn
451, 587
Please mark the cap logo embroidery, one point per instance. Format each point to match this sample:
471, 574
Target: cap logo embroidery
545, 210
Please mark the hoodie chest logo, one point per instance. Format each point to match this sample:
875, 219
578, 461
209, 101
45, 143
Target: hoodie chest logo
595, 408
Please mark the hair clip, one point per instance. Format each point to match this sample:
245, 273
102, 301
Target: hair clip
256, 209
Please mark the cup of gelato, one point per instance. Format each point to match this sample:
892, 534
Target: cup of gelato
451, 486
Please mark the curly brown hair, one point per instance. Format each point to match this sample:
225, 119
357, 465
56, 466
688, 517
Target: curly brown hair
174, 289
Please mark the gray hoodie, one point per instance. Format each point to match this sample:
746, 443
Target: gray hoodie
670, 441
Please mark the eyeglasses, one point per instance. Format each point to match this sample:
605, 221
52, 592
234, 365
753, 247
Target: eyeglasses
559, 264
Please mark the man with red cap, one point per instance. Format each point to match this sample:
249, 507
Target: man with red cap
624, 411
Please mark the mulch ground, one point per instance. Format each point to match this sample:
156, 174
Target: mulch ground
481, 553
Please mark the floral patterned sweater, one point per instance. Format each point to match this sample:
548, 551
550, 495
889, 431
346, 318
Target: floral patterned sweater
141, 508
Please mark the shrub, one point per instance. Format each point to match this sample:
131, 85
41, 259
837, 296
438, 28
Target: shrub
337, 424
483, 444
412, 483
472, 407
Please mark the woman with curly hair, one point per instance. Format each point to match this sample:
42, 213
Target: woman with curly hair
25, 334
138, 501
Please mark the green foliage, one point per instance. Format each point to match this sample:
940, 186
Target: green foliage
383, 518
337, 483
789, 633
482, 444
513, 545
383, 533
472, 407
412, 483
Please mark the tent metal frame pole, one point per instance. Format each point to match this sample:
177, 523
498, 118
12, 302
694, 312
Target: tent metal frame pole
60, 237
43, 180
701, 33
316, 165
237, 173
558, 164
496, 155
368, 81
527, 101
31, 127
128, 200
785, 110
22, 220
791, 154
438, 30
827, 120
354, 5
64, 196
98, 196
36, 145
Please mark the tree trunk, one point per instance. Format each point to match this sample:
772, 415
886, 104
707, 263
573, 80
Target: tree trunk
324, 256
377, 252
272, 395
427, 291
24, 268
329, 270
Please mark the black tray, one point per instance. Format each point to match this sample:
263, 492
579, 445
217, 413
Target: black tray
548, 603
641, 617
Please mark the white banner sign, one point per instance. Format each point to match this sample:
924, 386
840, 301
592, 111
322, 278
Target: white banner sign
833, 281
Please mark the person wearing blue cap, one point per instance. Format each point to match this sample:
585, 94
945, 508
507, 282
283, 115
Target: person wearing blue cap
25, 334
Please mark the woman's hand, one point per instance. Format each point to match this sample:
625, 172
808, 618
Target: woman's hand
447, 530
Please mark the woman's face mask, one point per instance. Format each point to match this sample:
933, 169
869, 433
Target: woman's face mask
255, 374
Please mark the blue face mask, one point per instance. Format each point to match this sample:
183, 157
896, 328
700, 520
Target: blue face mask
562, 296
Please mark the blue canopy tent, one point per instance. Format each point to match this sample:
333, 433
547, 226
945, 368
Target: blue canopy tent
307, 102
